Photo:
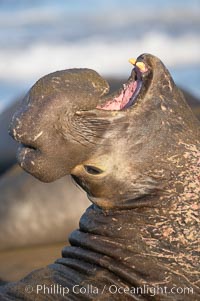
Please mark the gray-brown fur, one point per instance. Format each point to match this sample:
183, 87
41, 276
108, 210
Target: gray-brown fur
143, 228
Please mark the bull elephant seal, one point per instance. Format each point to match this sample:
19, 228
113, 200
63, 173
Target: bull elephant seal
137, 155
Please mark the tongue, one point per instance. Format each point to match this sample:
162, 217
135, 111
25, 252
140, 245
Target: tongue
119, 102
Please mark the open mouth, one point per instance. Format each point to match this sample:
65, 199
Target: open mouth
128, 94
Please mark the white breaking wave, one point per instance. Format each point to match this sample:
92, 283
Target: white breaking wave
107, 57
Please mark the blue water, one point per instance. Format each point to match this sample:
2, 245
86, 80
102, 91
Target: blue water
41, 36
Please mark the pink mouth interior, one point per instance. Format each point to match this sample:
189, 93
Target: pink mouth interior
119, 102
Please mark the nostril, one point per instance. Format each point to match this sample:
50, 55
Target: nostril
93, 170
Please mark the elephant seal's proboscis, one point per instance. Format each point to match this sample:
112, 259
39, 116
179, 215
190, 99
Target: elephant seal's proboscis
137, 155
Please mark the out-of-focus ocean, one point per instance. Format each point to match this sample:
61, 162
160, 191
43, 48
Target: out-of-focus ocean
42, 36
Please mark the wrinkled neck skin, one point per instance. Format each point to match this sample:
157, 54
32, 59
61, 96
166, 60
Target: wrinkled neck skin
154, 245
143, 252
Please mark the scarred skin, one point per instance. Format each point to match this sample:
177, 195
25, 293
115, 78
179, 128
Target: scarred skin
141, 169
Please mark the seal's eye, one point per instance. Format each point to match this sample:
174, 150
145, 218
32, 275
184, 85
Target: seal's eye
92, 170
